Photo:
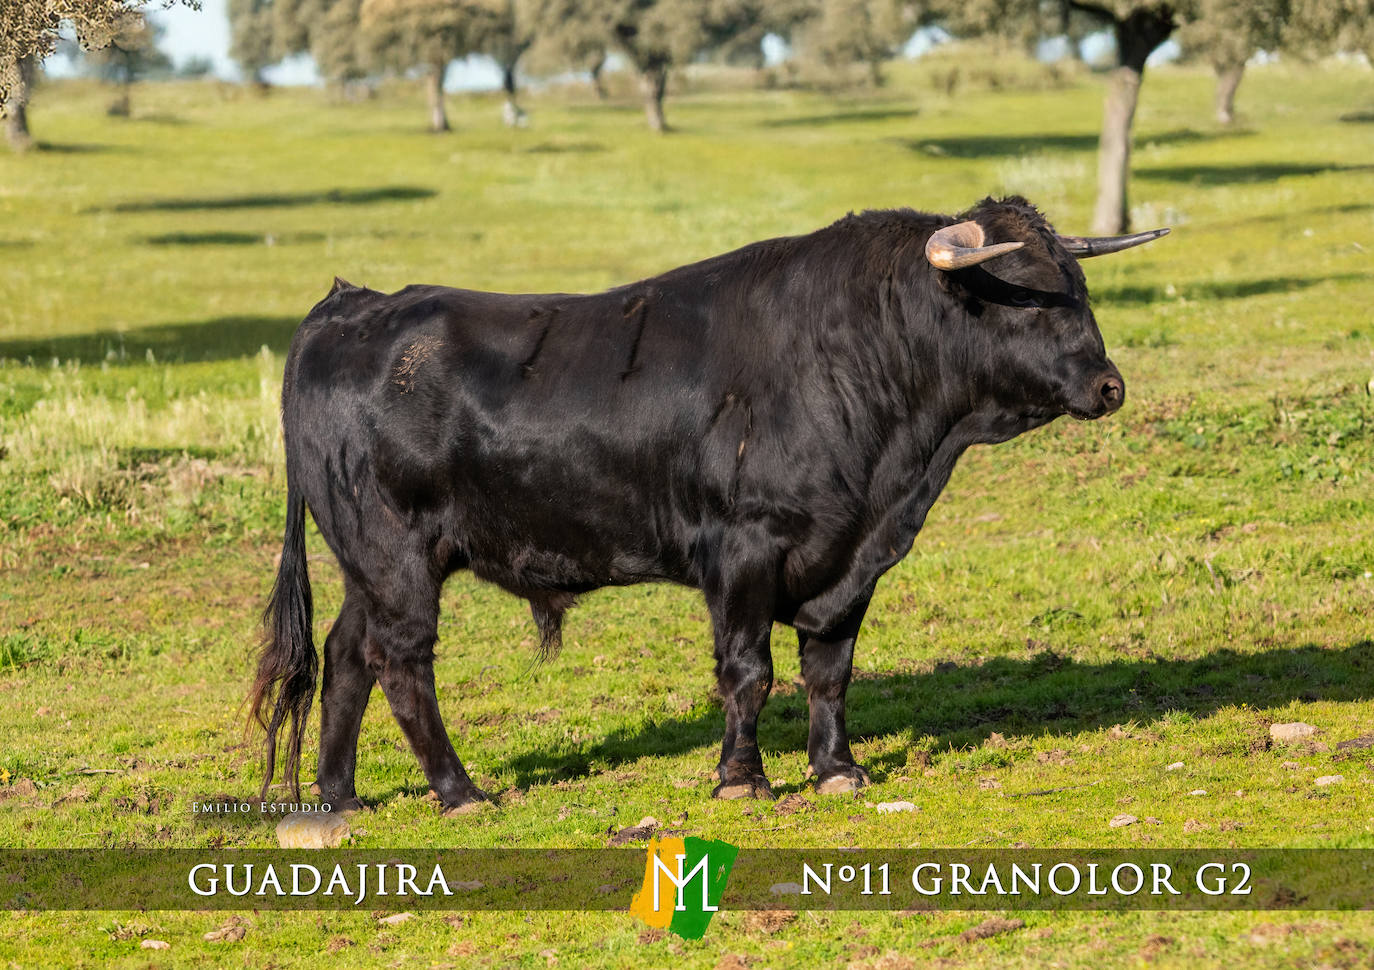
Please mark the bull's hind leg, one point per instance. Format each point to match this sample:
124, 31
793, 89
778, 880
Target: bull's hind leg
742, 617
347, 687
827, 665
402, 628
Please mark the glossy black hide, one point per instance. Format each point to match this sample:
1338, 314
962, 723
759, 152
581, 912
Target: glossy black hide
769, 426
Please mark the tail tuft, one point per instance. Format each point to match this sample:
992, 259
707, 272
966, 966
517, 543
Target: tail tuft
287, 665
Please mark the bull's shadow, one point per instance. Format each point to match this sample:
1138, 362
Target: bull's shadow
960, 706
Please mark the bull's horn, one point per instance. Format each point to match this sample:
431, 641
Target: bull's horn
1085, 246
961, 244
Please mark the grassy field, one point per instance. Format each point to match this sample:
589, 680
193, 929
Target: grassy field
1086, 605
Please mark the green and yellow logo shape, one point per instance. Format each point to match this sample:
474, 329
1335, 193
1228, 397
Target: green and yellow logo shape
684, 880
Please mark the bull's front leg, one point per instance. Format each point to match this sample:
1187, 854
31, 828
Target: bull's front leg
827, 664
742, 617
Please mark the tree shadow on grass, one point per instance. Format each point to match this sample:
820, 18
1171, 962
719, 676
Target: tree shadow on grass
1243, 173
960, 706
1215, 290
80, 148
161, 118
565, 148
219, 338
841, 117
1359, 117
232, 238
1343, 208
985, 146
271, 200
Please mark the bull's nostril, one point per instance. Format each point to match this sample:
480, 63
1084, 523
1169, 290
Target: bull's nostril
1112, 391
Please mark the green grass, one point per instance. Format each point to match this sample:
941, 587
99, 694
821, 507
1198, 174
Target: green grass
1086, 605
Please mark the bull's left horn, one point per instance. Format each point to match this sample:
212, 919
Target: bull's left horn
961, 244
1085, 246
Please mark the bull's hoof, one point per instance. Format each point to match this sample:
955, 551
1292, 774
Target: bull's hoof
479, 801
754, 787
844, 780
338, 805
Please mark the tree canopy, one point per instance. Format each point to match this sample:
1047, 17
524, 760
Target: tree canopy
28, 29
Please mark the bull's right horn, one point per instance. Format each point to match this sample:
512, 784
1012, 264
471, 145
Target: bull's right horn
1085, 247
961, 244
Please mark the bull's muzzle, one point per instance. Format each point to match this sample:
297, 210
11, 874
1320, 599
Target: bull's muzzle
1101, 395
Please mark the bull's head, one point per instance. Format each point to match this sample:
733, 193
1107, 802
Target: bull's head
1034, 326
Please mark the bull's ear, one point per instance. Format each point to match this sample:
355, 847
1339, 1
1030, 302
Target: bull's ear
961, 245
340, 284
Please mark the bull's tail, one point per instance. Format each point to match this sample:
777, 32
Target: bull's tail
288, 664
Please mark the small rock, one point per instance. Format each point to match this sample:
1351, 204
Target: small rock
230, 933
647, 822
785, 889
1193, 825
1291, 732
1122, 820
1290, 765
1330, 779
1174, 767
396, 919
1151, 820
155, 945
890, 808
1363, 741
302, 830
1198, 791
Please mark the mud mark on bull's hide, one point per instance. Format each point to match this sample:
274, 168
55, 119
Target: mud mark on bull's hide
636, 308
412, 358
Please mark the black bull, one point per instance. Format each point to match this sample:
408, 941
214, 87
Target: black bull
769, 426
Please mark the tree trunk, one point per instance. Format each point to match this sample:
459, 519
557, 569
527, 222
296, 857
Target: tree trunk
17, 108
1111, 217
511, 112
122, 106
1228, 79
1136, 38
875, 72
654, 84
598, 85
434, 88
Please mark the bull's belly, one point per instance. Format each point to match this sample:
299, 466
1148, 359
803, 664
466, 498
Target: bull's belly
525, 548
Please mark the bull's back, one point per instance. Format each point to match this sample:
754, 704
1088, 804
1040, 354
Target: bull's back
563, 441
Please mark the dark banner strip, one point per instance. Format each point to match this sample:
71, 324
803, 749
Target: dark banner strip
607, 879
